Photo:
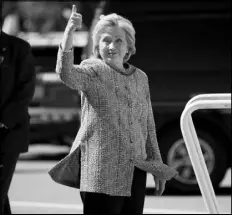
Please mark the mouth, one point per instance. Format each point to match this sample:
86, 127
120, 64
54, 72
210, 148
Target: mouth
112, 53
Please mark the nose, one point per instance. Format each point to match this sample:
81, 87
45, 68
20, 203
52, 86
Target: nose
111, 46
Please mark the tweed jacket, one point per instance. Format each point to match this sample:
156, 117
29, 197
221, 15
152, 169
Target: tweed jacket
117, 129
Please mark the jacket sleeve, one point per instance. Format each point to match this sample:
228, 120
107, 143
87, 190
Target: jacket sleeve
77, 77
16, 109
152, 146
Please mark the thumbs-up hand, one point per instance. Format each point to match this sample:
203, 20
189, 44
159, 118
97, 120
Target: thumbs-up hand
75, 20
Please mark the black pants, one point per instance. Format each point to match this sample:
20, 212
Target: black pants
98, 203
8, 162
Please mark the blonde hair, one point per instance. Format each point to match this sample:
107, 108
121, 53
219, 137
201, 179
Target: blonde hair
112, 20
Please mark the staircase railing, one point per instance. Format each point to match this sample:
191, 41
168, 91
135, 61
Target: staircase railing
203, 101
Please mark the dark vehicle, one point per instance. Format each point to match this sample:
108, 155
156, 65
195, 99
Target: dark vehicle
184, 48
55, 109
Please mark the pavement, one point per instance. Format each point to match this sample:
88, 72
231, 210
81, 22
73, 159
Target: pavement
34, 192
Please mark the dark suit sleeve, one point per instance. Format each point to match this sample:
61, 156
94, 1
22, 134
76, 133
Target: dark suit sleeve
16, 108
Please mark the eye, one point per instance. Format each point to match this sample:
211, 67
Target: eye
119, 40
106, 40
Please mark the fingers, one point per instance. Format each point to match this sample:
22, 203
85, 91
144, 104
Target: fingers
162, 186
75, 20
74, 9
156, 193
156, 186
77, 16
74, 12
159, 187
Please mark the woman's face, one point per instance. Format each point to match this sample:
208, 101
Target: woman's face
113, 45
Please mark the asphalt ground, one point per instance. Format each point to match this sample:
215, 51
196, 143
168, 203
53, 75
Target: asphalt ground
33, 191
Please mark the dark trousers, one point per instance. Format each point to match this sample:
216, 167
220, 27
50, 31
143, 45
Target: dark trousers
98, 203
8, 162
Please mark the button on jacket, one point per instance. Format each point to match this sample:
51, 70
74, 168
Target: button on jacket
117, 129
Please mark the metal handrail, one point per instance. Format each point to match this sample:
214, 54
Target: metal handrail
205, 101
213, 96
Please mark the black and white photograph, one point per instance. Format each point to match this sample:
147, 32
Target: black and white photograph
115, 107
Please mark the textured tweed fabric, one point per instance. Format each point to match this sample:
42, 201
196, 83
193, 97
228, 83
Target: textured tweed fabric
117, 129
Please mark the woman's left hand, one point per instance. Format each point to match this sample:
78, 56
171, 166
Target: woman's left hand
159, 186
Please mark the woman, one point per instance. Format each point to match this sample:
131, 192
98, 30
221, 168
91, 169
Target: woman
117, 137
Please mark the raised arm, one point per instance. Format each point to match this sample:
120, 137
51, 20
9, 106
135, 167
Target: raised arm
74, 76
77, 77
74, 22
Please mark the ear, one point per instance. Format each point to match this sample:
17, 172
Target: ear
97, 52
126, 57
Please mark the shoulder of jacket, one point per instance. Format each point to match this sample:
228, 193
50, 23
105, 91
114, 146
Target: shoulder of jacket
142, 74
19, 42
93, 64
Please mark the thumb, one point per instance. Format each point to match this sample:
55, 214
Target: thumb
74, 9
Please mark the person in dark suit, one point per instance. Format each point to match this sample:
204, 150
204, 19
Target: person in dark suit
17, 85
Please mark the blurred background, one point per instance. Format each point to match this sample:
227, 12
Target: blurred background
185, 49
